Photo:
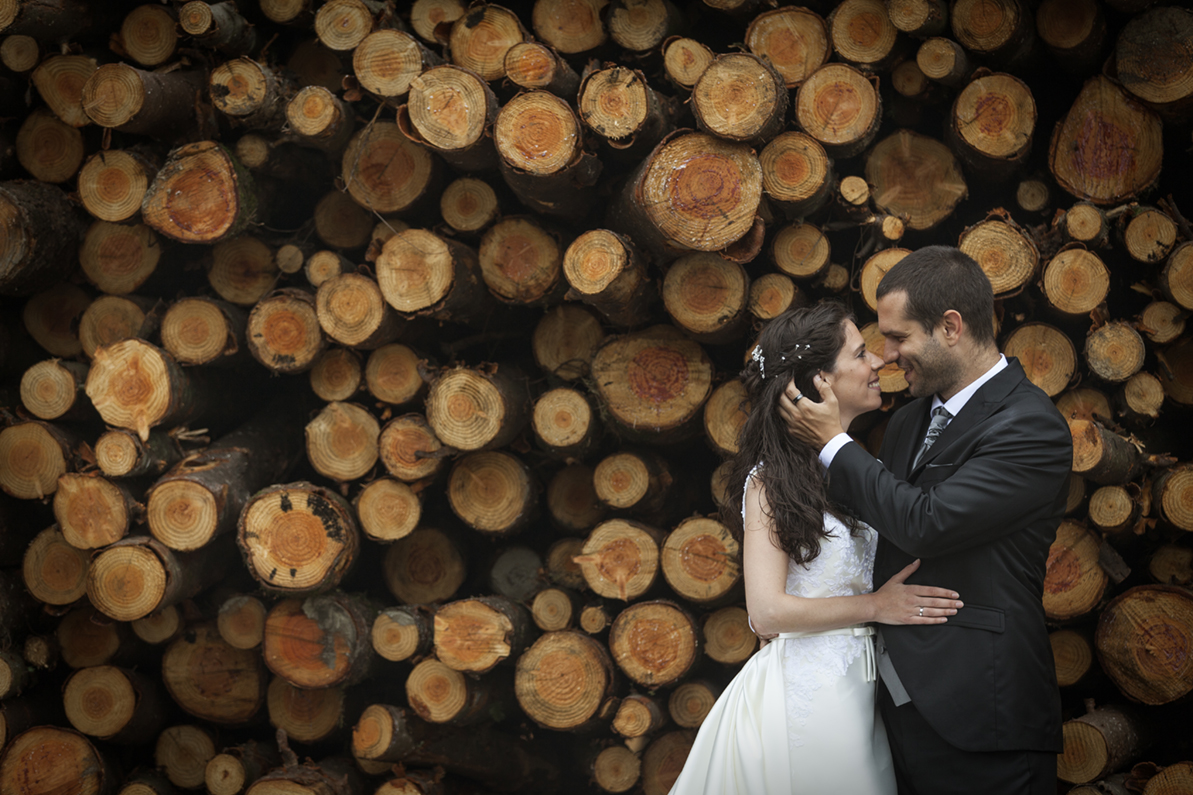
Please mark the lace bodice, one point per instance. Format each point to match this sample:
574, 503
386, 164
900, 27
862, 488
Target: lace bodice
844, 567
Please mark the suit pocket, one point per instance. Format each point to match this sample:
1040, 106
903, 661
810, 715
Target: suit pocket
935, 473
991, 619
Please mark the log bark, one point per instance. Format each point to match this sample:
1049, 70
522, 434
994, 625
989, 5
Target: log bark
652, 383
1176, 371
589, 701
250, 94
1101, 742
1138, 633
120, 453
478, 408
1102, 456
493, 492
1176, 278
425, 567
297, 538
139, 575
475, 635
1098, 168
320, 641
620, 559
41, 229
654, 643
161, 105
1073, 581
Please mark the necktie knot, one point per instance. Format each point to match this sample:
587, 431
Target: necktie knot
940, 418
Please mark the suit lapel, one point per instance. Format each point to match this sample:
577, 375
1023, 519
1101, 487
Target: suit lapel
911, 436
980, 405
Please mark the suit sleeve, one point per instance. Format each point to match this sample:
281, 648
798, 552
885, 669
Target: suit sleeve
1012, 477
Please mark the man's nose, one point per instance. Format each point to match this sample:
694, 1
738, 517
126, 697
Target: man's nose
890, 352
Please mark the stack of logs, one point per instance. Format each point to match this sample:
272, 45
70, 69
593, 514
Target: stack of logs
368, 366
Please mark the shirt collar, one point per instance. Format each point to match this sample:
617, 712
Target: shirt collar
957, 402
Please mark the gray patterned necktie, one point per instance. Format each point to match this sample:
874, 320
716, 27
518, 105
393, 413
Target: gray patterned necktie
940, 418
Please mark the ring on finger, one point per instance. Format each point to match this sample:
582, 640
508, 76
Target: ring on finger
921, 612
797, 398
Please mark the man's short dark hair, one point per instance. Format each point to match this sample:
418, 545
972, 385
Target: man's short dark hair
937, 279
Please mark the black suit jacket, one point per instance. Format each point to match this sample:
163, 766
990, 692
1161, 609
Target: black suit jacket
981, 511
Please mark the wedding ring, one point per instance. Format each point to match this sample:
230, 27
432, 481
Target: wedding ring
797, 398
921, 612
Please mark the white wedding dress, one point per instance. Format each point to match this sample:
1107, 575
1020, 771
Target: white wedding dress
801, 715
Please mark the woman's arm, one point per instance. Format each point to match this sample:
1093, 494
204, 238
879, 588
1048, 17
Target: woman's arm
773, 610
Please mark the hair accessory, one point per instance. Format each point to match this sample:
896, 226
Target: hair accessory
806, 347
757, 356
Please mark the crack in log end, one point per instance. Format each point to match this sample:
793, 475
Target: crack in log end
326, 513
284, 504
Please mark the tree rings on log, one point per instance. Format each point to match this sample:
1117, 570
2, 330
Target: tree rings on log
891, 377
566, 340
481, 38
1115, 509
202, 330
337, 374
1176, 371
341, 441
564, 423
862, 34
1076, 281
801, 251
993, 121
839, 107
49, 149
320, 641
794, 39
1073, 655
874, 269
1118, 163
572, 501
1073, 579
1143, 640
493, 492
796, 173
93, 511
1176, 279
384, 170
201, 195
652, 382
772, 294
1172, 493
916, 178
1114, 352
118, 258
1046, 353
55, 571
521, 262
642, 25
605, 271
728, 638
308, 716
283, 331
1149, 235
388, 509
684, 60
725, 412
211, 679
620, 559
353, 312
706, 297
424, 567
421, 273
402, 632
452, 111
1101, 741
474, 635
699, 560
572, 657
1153, 62
478, 409
298, 538
54, 389
654, 643
241, 621
410, 449
50, 759
387, 61
469, 205
740, 97
1084, 403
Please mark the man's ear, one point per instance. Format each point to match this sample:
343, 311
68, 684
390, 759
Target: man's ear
953, 326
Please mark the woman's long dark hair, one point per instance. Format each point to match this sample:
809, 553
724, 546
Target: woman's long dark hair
795, 345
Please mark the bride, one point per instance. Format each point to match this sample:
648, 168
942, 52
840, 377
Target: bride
800, 716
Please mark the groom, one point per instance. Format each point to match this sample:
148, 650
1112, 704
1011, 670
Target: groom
972, 479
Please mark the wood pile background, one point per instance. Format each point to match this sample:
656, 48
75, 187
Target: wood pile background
367, 366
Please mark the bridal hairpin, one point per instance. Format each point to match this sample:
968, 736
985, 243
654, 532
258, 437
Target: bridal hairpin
757, 356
